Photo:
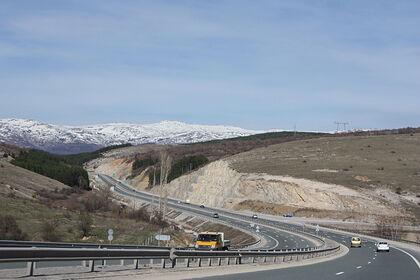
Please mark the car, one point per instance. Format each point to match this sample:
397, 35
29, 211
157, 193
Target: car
255, 216
201, 206
288, 215
179, 201
382, 246
356, 242
215, 215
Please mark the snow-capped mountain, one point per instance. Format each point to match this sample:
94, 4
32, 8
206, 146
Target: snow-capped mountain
73, 139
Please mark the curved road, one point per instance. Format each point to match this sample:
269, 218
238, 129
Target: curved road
360, 263
275, 239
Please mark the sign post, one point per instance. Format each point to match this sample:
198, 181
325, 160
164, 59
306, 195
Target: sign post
162, 237
110, 235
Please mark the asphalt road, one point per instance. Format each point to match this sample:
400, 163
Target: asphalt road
359, 263
275, 239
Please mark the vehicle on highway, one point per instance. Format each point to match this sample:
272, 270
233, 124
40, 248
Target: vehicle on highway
255, 216
356, 242
187, 201
211, 241
382, 246
201, 206
288, 215
215, 215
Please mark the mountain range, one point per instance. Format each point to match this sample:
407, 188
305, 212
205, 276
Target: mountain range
63, 139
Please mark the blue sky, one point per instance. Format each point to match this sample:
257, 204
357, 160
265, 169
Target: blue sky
254, 64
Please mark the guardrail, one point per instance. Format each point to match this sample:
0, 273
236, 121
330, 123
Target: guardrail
13, 243
176, 257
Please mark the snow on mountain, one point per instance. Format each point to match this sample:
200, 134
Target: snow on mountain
70, 139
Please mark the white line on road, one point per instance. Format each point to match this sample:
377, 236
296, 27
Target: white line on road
414, 258
339, 273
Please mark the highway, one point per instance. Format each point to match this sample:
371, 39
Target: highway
274, 239
359, 263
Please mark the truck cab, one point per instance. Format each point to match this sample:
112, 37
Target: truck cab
211, 241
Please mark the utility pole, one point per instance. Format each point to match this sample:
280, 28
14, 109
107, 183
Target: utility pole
344, 124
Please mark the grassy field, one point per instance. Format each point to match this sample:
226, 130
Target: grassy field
391, 161
32, 215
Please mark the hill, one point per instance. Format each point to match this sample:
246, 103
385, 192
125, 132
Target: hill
355, 178
76, 139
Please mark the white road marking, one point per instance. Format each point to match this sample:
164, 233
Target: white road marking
414, 258
359, 267
339, 273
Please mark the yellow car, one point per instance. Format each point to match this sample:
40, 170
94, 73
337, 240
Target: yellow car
356, 242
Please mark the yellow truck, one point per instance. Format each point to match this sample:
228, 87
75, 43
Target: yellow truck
208, 240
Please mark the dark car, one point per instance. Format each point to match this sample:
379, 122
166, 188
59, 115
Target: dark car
215, 215
201, 206
288, 215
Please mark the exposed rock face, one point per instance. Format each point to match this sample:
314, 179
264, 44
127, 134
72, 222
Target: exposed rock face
218, 185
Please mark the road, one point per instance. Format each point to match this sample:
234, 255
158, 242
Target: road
275, 239
359, 263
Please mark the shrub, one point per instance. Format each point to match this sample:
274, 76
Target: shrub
94, 201
140, 214
9, 229
49, 230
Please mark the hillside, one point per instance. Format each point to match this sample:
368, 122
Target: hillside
350, 177
122, 163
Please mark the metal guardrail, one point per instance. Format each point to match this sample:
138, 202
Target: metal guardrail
13, 243
31, 255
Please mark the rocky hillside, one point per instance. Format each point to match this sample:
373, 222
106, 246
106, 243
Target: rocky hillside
76, 139
351, 178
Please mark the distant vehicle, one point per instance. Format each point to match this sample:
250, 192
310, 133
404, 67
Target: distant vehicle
255, 216
215, 215
382, 246
211, 241
288, 215
356, 242
201, 206
187, 201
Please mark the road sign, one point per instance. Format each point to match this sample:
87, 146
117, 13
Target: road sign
110, 237
162, 237
110, 231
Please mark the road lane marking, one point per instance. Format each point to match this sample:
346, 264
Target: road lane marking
359, 267
411, 256
339, 273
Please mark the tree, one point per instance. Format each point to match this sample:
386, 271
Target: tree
85, 223
9, 229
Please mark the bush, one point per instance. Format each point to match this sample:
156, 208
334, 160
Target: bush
85, 223
139, 214
94, 201
9, 229
49, 230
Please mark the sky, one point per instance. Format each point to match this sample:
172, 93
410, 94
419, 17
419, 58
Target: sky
253, 64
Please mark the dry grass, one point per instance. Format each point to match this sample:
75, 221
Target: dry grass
391, 161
